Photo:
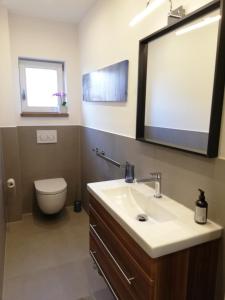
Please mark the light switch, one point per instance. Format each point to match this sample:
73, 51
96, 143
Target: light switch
46, 136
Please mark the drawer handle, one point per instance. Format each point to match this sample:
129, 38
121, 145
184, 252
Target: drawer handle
92, 253
129, 280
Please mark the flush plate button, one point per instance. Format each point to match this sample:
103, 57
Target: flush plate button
46, 136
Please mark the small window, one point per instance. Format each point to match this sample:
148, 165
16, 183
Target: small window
41, 86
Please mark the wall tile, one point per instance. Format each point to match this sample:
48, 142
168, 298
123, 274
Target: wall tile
41, 161
12, 167
27, 161
2, 217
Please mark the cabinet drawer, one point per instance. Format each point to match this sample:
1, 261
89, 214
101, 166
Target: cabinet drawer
130, 272
108, 271
148, 265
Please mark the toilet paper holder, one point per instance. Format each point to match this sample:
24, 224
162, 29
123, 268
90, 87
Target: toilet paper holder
11, 183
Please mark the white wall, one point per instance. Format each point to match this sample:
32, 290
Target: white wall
105, 38
37, 38
7, 113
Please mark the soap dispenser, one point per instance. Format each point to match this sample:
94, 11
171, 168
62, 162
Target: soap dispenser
201, 209
129, 173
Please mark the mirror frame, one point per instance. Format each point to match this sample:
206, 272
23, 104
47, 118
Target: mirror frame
219, 79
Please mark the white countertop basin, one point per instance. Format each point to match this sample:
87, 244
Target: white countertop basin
132, 202
170, 226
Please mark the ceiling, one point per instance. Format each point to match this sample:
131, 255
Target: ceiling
61, 10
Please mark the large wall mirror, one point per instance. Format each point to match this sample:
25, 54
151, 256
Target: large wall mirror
181, 83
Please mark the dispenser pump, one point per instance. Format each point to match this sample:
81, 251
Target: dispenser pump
201, 209
202, 195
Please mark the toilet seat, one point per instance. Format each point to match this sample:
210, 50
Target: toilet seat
50, 186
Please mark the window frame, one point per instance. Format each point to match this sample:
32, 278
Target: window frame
39, 64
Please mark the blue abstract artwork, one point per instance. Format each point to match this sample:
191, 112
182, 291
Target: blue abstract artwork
108, 84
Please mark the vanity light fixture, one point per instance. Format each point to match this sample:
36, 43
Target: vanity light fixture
151, 6
173, 16
203, 23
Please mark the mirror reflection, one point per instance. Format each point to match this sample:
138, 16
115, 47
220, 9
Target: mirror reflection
179, 86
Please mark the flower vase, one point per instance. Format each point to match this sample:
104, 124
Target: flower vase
64, 109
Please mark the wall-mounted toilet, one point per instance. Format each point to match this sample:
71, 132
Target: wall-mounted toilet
51, 194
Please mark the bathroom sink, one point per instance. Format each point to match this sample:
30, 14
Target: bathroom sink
159, 225
137, 205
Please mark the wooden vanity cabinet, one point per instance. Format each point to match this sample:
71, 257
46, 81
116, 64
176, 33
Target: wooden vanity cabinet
131, 273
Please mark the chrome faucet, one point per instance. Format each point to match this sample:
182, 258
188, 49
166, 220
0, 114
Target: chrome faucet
154, 177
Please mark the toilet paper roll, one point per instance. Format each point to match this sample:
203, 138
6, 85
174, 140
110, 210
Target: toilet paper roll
11, 183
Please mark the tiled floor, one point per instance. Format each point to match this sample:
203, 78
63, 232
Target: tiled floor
47, 259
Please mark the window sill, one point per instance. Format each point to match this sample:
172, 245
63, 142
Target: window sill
44, 114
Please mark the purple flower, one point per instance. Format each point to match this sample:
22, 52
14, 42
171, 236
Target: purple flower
60, 94
62, 97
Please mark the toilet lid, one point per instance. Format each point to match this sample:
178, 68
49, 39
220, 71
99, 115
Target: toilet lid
50, 186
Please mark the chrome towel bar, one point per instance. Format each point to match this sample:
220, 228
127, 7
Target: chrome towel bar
103, 156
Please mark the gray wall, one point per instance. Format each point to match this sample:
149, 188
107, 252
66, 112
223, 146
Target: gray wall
26, 161
182, 174
2, 218
12, 169
73, 159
